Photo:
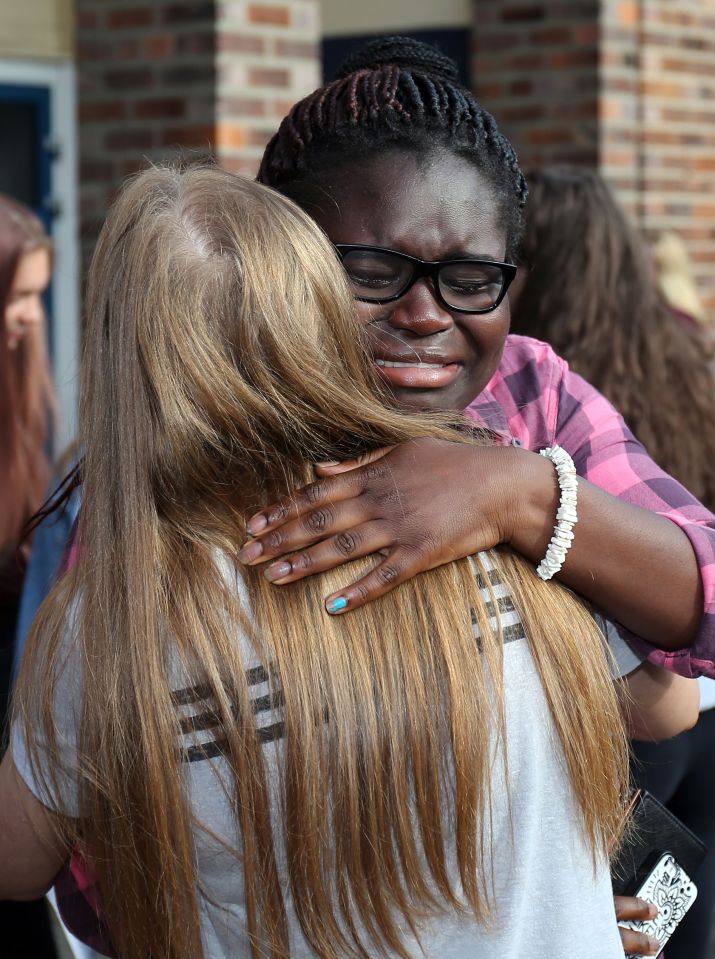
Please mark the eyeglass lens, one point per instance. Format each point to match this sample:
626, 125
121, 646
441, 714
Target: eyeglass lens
378, 275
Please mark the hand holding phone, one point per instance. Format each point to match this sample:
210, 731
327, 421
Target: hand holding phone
670, 888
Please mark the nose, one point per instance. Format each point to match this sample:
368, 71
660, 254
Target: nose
33, 312
420, 312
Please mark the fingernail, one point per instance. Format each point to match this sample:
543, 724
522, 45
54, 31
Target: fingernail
336, 605
256, 525
652, 910
250, 552
329, 463
653, 944
278, 571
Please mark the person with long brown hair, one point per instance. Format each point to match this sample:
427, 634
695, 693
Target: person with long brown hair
247, 774
26, 407
592, 293
26, 393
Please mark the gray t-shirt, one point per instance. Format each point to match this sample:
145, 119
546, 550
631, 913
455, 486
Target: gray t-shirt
548, 898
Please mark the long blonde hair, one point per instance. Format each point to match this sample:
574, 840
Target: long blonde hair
223, 358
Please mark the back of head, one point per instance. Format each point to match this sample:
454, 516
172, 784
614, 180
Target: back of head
395, 93
26, 396
592, 293
223, 356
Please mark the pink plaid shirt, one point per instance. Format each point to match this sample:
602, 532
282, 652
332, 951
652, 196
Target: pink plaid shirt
536, 400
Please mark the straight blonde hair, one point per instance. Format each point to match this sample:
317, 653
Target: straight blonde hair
223, 358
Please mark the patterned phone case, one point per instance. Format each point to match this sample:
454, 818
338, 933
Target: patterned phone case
673, 892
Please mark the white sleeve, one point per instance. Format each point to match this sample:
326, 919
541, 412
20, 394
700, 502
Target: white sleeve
624, 659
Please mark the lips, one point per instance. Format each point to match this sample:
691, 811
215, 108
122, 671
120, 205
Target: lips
417, 373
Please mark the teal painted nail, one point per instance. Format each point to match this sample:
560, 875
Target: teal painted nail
337, 605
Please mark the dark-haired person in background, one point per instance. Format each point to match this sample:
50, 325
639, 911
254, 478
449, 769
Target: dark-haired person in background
26, 405
592, 294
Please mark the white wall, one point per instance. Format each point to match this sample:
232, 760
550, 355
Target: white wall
36, 28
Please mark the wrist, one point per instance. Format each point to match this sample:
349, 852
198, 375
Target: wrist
535, 492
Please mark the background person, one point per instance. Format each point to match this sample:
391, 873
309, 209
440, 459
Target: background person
591, 292
247, 774
26, 407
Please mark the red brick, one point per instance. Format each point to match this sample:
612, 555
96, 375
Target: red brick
230, 135
87, 19
159, 46
188, 12
243, 166
95, 170
242, 107
198, 136
268, 77
130, 18
103, 111
160, 108
520, 13
195, 44
551, 135
128, 139
240, 43
548, 36
275, 16
129, 79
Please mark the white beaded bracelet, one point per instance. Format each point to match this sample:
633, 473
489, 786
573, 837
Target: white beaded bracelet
566, 515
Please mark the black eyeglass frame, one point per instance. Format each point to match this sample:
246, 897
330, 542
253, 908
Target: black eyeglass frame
430, 268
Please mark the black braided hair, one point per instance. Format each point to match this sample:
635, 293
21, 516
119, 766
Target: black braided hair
393, 93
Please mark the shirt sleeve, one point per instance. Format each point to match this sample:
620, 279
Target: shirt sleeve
606, 453
60, 792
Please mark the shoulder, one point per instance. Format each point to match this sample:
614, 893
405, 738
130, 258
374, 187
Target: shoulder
526, 386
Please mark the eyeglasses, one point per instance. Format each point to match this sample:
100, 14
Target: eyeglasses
465, 286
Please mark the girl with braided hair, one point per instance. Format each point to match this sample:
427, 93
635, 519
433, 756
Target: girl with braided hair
423, 198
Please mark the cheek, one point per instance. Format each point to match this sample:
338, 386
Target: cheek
369, 313
489, 331
11, 316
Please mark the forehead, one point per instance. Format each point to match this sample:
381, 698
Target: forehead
431, 208
32, 271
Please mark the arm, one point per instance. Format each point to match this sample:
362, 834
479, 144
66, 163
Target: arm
30, 853
644, 550
657, 703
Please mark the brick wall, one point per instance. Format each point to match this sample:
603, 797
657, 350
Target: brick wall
268, 57
536, 68
658, 121
196, 77
625, 86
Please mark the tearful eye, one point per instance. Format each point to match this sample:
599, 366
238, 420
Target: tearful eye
377, 273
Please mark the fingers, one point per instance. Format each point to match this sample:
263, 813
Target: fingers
397, 566
325, 492
345, 546
629, 907
333, 469
313, 529
638, 943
